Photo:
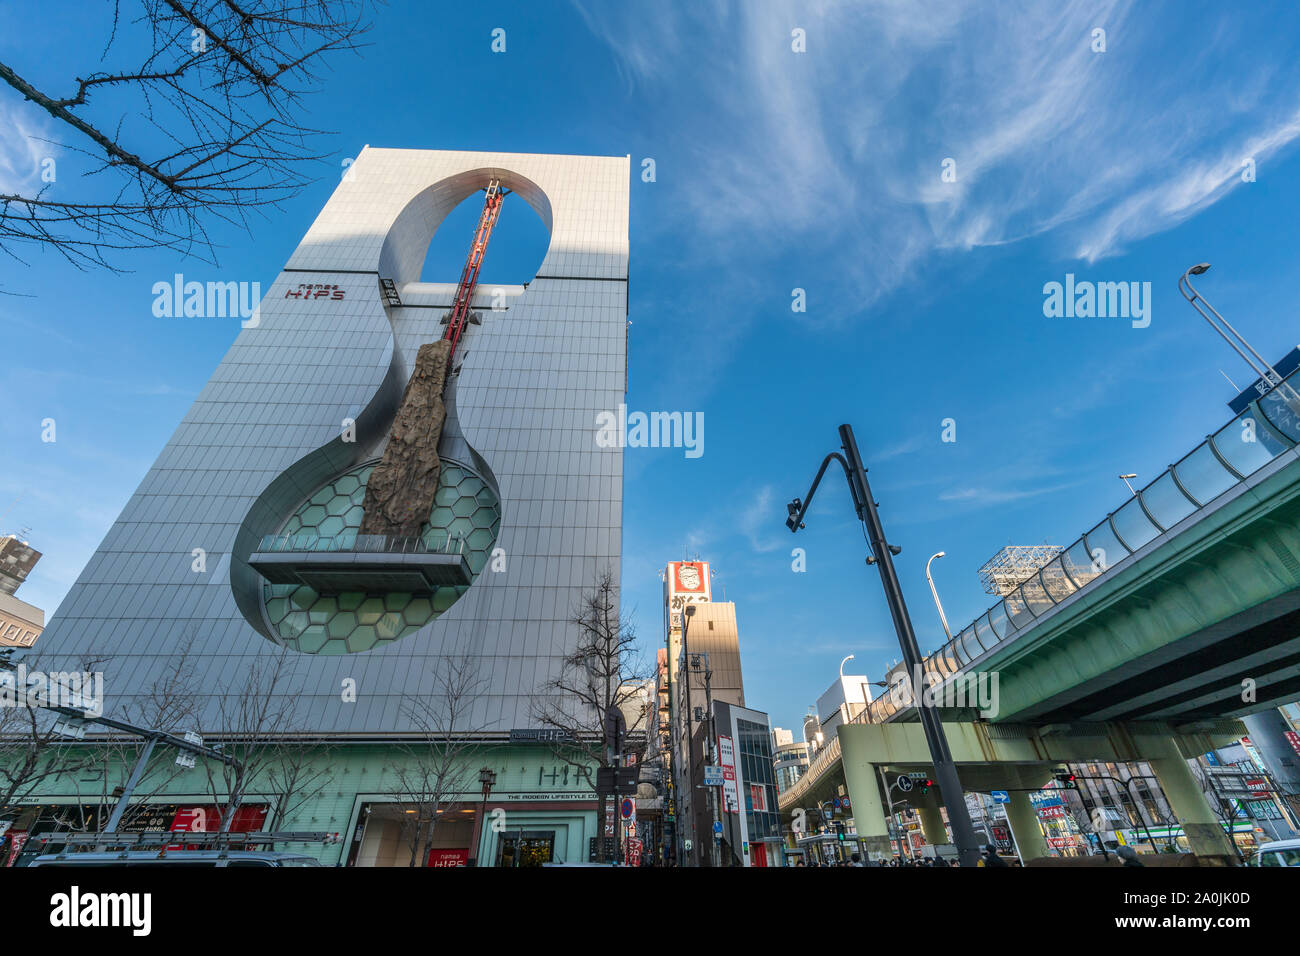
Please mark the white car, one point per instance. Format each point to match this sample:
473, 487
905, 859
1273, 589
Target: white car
1278, 853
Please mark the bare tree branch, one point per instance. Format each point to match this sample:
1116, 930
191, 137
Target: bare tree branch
432, 771
221, 82
603, 671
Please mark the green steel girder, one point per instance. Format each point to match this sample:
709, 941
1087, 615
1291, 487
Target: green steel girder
1237, 557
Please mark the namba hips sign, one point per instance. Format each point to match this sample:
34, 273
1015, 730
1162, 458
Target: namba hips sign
445, 858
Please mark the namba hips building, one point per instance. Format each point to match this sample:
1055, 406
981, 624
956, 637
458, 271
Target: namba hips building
296, 511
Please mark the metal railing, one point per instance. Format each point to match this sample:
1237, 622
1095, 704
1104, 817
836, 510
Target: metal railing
1266, 429
824, 759
432, 542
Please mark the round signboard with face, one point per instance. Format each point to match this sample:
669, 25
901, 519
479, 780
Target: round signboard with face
688, 576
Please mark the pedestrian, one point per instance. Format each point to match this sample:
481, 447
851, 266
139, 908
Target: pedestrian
857, 859
991, 857
1129, 856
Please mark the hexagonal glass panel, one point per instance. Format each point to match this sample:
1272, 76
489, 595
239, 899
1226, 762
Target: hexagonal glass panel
351, 621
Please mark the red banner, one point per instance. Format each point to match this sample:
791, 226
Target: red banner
16, 840
249, 818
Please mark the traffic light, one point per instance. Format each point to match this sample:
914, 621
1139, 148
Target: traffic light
792, 521
1065, 780
924, 786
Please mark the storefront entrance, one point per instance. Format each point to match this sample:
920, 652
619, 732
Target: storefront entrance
526, 848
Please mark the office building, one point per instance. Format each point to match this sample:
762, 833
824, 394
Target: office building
307, 508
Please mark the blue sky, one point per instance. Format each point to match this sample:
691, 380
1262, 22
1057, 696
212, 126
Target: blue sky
775, 170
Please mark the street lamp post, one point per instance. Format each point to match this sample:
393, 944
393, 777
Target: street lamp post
1264, 371
882, 555
487, 779
1125, 479
714, 837
687, 613
943, 618
893, 816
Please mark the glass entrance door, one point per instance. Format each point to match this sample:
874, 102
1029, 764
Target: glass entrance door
526, 848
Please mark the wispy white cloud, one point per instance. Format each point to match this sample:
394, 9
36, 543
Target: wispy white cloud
757, 518
22, 148
984, 496
840, 148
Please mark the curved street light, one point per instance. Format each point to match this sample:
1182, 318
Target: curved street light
882, 556
1265, 372
942, 617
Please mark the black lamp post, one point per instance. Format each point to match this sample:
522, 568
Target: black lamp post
487, 778
883, 556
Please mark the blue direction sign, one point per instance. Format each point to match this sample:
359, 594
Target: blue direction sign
1000, 796
717, 826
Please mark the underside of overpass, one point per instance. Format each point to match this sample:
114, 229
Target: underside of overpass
1018, 758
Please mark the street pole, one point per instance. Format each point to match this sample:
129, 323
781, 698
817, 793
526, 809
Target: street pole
943, 618
1267, 373
1015, 844
944, 767
131, 784
889, 796
882, 555
714, 839
689, 789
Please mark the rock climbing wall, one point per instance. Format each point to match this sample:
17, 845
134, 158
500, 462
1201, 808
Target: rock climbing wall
399, 494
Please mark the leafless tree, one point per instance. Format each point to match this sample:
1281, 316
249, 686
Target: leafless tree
601, 673
202, 123
31, 752
256, 724
433, 769
296, 775
168, 705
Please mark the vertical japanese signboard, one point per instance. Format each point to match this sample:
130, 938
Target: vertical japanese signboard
687, 582
727, 760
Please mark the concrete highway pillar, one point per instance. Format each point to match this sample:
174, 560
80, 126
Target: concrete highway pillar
1024, 824
1205, 833
868, 808
932, 826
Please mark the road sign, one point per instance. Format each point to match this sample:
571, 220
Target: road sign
616, 781
717, 826
627, 808
713, 776
903, 783
1000, 796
